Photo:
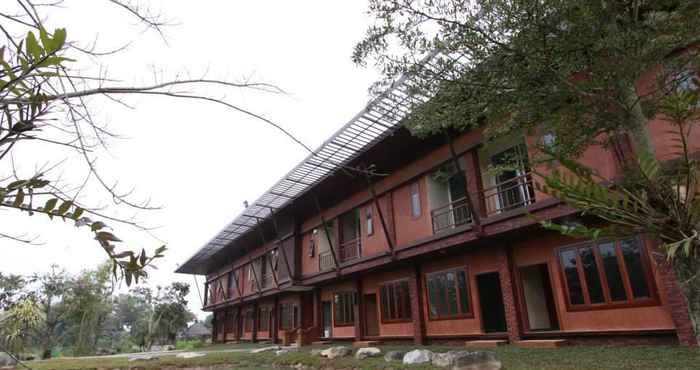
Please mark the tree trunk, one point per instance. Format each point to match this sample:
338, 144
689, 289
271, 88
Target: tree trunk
640, 129
689, 281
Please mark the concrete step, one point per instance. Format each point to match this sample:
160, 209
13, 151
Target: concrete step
542, 343
366, 343
485, 343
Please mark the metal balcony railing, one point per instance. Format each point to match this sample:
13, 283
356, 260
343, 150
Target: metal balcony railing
349, 249
451, 215
515, 192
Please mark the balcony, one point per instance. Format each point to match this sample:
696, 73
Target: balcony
451, 215
325, 261
266, 281
349, 249
509, 193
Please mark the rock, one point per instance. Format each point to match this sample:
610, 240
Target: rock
286, 350
155, 348
168, 347
143, 358
190, 355
365, 352
266, 349
480, 360
300, 366
316, 352
418, 356
394, 356
6, 360
335, 352
444, 359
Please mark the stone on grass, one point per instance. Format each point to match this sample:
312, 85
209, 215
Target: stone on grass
6, 360
479, 360
365, 352
394, 356
266, 349
143, 358
417, 356
168, 347
190, 355
316, 352
286, 350
335, 352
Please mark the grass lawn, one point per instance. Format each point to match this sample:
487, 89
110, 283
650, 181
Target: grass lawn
513, 358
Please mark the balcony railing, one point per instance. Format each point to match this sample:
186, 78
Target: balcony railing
349, 249
266, 280
325, 261
509, 194
451, 215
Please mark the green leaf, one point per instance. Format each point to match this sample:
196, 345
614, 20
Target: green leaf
59, 38
33, 47
97, 225
64, 207
77, 213
19, 198
107, 237
50, 205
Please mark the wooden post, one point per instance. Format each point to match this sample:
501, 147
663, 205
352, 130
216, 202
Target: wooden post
274, 325
359, 306
416, 291
510, 305
256, 318
239, 324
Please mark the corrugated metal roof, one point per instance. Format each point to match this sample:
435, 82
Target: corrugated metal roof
378, 120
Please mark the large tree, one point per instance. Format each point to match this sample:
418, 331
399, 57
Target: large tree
51, 82
571, 69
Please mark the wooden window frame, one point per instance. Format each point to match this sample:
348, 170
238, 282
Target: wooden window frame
369, 220
652, 300
248, 318
384, 320
291, 315
353, 298
470, 300
414, 188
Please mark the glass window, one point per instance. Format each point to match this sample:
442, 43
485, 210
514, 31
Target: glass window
264, 319
288, 316
448, 294
415, 200
395, 300
370, 220
614, 271
344, 308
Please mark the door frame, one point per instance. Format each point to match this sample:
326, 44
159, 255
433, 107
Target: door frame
522, 305
330, 319
482, 323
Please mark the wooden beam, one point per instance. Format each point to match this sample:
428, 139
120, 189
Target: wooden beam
373, 193
328, 235
476, 218
235, 281
280, 247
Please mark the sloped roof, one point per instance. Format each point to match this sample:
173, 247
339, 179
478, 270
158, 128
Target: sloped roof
380, 118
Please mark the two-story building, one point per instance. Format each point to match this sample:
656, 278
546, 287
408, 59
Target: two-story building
380, 235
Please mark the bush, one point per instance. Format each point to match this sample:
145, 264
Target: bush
189, 344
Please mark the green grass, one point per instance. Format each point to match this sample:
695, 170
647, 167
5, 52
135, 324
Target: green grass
513, 358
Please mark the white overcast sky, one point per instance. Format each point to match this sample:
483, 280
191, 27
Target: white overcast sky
200, 161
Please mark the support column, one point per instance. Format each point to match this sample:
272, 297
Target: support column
473, 172
214, 327
239, 324
359, 307
255, 322
317, 313
678, 305
510, 304
274, 325
416, 292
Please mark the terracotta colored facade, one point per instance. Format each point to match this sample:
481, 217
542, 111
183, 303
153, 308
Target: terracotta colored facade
366, 273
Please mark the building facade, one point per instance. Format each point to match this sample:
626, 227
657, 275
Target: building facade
380, 235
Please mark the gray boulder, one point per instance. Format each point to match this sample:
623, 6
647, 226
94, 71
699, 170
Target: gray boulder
365, 352
190, 355
335, 352
466, 360
316, 352
418, 356
143, 358
286, 350
266, 349
394, 356
6, 360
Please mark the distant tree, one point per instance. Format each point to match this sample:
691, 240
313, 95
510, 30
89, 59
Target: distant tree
51, 287
12, 290
209, 321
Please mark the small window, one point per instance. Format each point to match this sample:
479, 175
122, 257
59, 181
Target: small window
312, 243
344, 308
248, 318
288, 316
370, 220
415, 200
395, 300
609, 273
448, 294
